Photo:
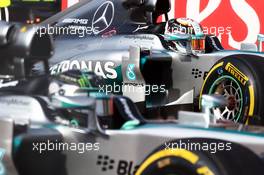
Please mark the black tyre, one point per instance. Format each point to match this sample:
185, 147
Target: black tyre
234, 160
239, 79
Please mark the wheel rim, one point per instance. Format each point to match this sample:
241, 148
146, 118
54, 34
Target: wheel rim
231, 90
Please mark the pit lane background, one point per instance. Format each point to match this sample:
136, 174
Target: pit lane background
245, 18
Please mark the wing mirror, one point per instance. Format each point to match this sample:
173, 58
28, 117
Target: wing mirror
252, 46
260, 42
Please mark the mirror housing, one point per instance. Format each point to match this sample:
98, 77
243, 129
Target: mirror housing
260, 42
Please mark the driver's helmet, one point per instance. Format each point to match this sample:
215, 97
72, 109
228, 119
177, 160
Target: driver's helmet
184, 31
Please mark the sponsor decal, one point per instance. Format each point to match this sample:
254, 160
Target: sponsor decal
84, 81
242, 78
126, 167
140, 37
75, 21
105, 163
130, 72
102, 19
122, 167
14, 101
140, 28
104, 69
103, 16
197, 73
109, 33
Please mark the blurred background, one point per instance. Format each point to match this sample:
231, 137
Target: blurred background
32, 11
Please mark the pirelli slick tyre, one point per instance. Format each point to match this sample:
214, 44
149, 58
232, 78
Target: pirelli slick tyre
234, 159
239, 78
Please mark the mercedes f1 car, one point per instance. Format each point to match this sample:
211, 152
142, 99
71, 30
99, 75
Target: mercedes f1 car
62, 125
174, 62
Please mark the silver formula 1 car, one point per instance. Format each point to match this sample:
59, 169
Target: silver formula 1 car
140, 148
164, 65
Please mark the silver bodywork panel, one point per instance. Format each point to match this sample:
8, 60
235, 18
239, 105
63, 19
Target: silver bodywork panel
112, 51
130, 147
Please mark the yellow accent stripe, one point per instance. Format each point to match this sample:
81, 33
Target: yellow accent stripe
252, 100
187, 155
247, 122
211, 71
204, 170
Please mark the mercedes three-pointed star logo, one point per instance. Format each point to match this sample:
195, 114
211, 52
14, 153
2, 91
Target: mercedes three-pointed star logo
103, 17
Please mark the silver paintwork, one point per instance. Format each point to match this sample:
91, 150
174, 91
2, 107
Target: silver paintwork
117, 48
6, 143
134, 145
23, 109
129, 146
